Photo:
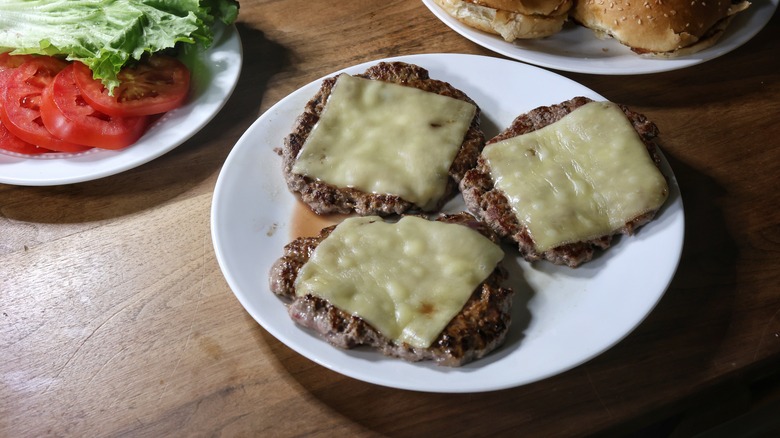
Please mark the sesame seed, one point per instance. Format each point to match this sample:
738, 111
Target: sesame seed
639, 21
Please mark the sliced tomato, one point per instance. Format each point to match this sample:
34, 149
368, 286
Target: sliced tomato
67, 116
8, 141
8, 61
20, 102
13, 143
153, 86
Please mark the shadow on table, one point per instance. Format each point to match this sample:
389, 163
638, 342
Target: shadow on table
666, 359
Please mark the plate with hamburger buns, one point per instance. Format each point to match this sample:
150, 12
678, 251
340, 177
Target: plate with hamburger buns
609, 37
443, 223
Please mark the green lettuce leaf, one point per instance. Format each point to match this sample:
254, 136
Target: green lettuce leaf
107, 34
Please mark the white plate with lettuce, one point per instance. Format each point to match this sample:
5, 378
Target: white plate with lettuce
561, 317
214, 70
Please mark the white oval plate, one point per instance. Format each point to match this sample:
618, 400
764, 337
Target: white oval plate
577, 49
215, 73
561, 317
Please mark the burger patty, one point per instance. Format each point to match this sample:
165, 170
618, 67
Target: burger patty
490, 204
480, 327
324, 198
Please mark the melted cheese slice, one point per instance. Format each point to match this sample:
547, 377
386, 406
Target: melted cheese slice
407, 279
582, 177
385, 138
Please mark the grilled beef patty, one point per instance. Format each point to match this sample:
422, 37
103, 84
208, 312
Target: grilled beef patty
324, 198
491, 206
480, 327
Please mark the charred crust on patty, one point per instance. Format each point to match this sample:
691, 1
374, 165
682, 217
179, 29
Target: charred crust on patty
325, 198
490, 205
479, 328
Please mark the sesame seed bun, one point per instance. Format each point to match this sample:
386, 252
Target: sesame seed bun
663, 28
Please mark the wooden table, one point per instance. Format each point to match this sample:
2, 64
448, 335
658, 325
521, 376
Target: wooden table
115, 319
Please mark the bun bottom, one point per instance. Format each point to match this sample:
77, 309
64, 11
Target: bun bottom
666, 31
508, 25
706, 41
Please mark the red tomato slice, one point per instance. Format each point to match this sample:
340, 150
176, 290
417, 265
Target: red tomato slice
66, 115
20, 103
154, 86
8, 141
12, 61
13, 143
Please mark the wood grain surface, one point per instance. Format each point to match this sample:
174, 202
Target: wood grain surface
115, 319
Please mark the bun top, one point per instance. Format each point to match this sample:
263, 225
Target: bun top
527, 7
657, 26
